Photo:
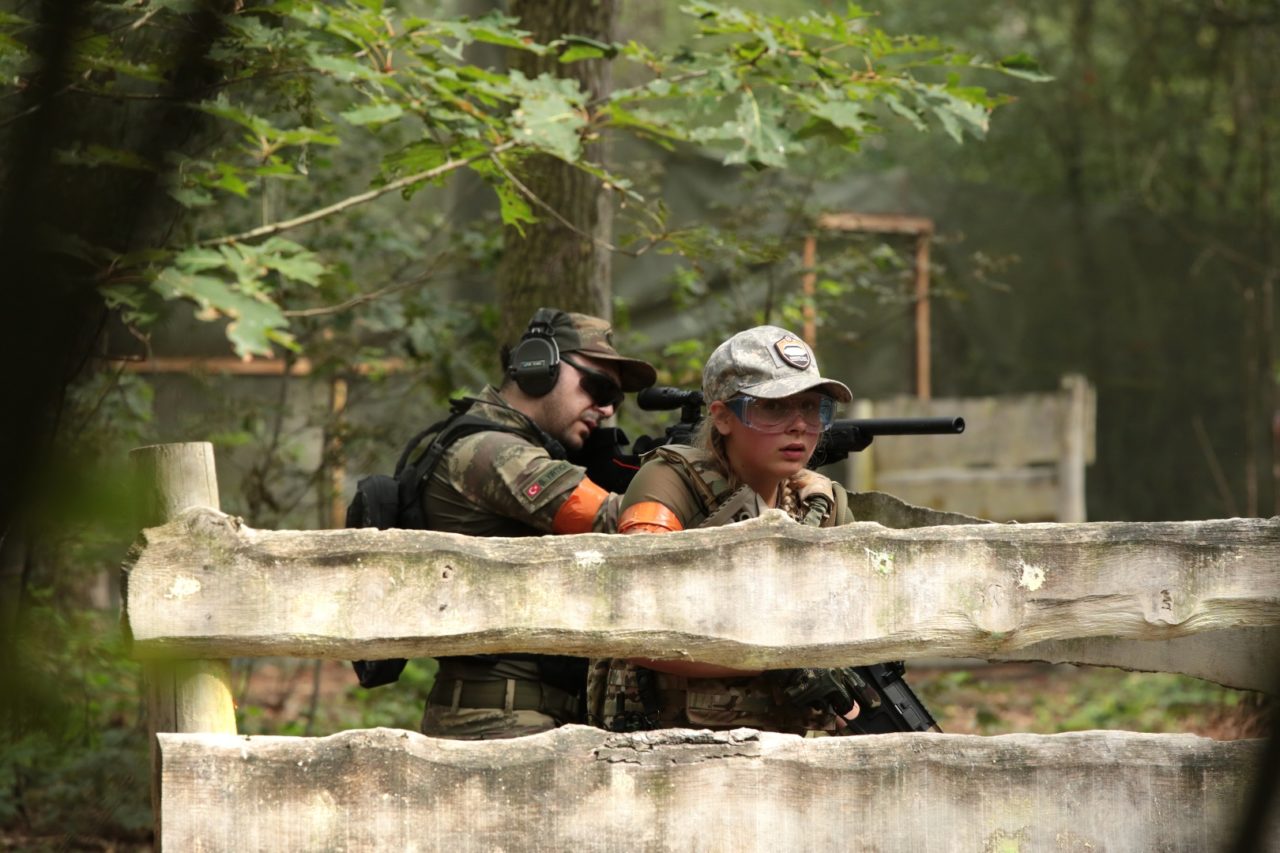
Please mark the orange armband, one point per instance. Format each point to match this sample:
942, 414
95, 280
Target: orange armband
648, 517
578, 513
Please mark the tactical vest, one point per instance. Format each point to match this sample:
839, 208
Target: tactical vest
397, 501
719, 503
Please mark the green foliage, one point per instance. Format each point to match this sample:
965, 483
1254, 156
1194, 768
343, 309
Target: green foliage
73, 757
294, 79
73, 746
279, 697
798, 85
236, 281
1049, 699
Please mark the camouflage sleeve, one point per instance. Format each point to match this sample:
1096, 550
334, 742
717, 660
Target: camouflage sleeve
659, 480
512, 477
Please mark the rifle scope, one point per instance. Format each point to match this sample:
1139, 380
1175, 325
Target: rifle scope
660, 398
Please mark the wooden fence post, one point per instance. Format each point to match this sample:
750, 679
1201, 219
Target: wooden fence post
1077, 423
182, 695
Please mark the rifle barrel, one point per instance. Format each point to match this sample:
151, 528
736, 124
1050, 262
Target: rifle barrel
902, 426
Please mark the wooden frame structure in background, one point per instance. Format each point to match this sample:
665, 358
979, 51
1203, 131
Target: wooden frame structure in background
884, 223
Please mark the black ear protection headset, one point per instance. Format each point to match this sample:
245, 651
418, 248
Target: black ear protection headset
535, 361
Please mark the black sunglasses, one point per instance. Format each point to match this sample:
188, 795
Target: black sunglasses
600, 387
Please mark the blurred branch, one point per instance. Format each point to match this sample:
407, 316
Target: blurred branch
1219, 479
396, 287
353, 201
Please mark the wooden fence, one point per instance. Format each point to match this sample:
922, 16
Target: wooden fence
204, 587
1023, 456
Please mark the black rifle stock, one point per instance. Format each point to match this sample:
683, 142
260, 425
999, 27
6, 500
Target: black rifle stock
886, 701
889, 704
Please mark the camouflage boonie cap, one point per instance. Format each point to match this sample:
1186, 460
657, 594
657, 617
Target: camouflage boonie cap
769, 362
593, 337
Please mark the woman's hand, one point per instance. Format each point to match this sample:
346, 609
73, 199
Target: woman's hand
810, 484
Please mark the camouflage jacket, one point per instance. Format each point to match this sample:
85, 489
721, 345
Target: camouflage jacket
504, 484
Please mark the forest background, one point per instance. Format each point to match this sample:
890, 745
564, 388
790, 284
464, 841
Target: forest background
1101, 180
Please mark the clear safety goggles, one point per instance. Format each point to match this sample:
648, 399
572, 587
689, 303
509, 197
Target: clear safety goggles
815, 411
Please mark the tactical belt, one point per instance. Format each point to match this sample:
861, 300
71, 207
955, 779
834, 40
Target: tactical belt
509, 694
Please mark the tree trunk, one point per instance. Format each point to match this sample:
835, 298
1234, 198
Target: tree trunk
555, 264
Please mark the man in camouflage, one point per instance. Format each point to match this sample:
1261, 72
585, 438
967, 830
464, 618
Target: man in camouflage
514, 481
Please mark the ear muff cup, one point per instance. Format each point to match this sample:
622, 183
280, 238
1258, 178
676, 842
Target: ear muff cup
535, 362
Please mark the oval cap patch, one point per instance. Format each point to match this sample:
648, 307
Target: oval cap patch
794, 352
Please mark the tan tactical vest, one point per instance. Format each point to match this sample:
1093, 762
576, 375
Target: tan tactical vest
627, 697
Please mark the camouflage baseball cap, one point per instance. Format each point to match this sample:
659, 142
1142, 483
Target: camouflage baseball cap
593, 337
768, 362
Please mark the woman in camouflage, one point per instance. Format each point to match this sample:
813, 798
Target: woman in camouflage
767, 408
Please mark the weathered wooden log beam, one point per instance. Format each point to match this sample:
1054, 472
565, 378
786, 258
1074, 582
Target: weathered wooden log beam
579, 788
1244, 658
764, 593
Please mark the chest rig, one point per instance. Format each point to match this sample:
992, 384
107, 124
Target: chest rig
720, 503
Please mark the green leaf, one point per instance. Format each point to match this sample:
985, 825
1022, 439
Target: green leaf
199, 260
546, 118
222, 108
518, 39
581, 47
228, 178
642, 122
844, 114
130, 300
190, 197
419, 156
957, 114
252, 320
895, 104
101, 155
513, 207
579, 52
1023, 66
292, 261
765, 139
119, 65
612, 182
373, 114
342, 69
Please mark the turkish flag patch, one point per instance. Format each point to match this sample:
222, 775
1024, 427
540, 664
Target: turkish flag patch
533, 490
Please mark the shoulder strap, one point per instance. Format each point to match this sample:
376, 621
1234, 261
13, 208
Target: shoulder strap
412, 477
721, 504
457, 408
708, 484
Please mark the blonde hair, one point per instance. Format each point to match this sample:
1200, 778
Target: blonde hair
710, 439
